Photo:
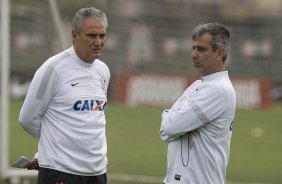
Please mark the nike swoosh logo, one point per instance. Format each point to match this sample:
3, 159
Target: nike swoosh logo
74, 84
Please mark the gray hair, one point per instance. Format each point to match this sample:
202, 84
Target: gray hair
89, 12
220, 36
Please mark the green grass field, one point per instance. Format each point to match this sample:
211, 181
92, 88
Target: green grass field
134, 146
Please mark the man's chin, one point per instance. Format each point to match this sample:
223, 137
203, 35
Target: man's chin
197, 69
97, 55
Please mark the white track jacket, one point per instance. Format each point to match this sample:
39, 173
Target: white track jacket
64, 109
198, 130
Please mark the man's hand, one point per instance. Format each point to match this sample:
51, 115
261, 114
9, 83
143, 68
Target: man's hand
32, 165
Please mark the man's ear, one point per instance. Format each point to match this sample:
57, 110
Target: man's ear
220, 53
73, 35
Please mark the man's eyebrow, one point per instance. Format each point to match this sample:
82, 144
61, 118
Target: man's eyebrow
198, 47
96, 34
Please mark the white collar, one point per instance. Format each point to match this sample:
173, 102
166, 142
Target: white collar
215, 75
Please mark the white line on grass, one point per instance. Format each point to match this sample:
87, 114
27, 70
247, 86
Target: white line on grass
153, 179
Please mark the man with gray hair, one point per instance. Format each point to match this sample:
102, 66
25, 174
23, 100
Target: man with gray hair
64, 107
198, 127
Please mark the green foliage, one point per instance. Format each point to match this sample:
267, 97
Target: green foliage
134, 146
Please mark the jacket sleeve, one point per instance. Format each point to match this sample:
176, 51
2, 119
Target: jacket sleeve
194, 113
37, 99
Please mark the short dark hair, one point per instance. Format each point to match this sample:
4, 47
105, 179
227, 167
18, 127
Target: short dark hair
220, 36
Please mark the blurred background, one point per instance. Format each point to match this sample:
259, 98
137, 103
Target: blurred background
153, 36
148, 52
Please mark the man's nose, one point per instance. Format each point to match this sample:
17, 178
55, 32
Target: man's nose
98, 41
194, 53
